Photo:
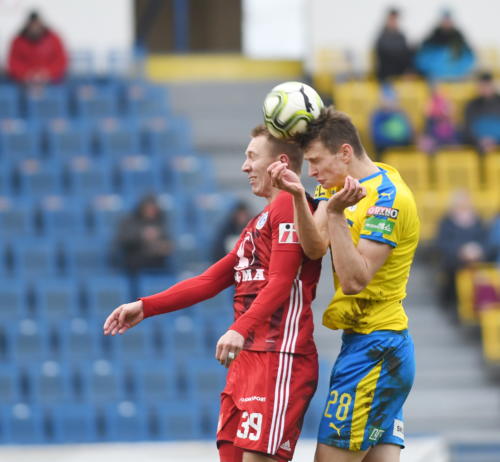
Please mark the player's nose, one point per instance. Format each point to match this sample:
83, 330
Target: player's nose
245, 167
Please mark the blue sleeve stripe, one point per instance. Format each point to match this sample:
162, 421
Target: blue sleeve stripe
350, 222
378, 238
386, 192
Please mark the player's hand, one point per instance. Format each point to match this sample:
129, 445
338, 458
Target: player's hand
228, 347
349, 195
284, 178
123, 318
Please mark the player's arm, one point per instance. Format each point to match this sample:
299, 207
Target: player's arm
312, 229
185, 293
355, 266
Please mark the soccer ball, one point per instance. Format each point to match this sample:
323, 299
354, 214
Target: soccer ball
289, 107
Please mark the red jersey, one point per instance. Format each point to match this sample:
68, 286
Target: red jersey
275, 284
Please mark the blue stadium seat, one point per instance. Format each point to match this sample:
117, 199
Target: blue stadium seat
36, 257
176, 420
102, 382
74, 423
117, 137
47, 102
104, 294
205, 378
166, 136
50, 383
19, 139
189, 173
13, 294
156, 380
28, 340
7, 178
16, 217
81, 66
9, 101
96, 101
105, 214
138, 176
62, 216
136, 343
66, 139
87, 177
80, 339
89, 256
9, 383
56, 299
39, 178
144, 99
126, 421
24, 424
150, 284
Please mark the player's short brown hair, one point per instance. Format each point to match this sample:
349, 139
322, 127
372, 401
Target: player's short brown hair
333, 128
278, 146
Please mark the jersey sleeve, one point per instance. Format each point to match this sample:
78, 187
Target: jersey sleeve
384, 219
322, 194
284, 234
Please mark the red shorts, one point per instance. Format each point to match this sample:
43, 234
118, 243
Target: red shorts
265, 399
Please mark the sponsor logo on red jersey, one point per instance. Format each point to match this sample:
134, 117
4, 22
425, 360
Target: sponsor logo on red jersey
288, 234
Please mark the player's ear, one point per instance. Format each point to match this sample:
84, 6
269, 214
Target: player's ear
347, 153
283, 158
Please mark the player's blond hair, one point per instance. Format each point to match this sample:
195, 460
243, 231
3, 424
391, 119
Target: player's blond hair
278, 146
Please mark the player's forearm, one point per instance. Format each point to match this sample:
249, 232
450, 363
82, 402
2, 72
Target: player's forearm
313, 242
350, 266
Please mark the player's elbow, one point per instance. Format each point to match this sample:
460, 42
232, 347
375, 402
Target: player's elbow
352, 286
316, 252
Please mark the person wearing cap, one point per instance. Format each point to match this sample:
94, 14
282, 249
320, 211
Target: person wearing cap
37, 54
482, 115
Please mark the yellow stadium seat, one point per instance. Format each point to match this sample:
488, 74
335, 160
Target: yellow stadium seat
489, 59
431, 206
459, 93
413, 165
328, 64
465, 290
413, 96
490, 332
486, 202
457, 169
492, 172
358, 99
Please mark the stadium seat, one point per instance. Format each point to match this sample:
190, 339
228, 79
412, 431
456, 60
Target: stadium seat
87, 177
10, 386
459, 93
490, 333
39, 178
14, 295
89, 256
9, 101
431, 206
102, 382
105, 294
492, 172
24, 424
94, 101
74, 423
81, 65
126, 421
36, 257
116, 137
16, 217
149, 284
176, 420
66, 140
156, 380
19, 139
28, 340
413, 165
56, 299
138, 176
205, 378
413, 96
61, 215
166, 136
143, 99
189, 173
80, 339
135, 344
457, 169
105, 213
47, 102
50, 383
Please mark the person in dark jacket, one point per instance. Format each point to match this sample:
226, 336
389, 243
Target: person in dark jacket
461, 241
37, 54
393, 54
482, 116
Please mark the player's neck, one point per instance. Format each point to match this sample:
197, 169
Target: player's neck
361, 168
273, 195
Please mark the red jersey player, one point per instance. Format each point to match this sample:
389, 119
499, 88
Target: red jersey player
269, 348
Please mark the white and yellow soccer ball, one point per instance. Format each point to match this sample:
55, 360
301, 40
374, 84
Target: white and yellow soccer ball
289, 107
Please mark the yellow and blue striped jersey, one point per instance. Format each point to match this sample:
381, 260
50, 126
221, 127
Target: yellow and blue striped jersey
387, 214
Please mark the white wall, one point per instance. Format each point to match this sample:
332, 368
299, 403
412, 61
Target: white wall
354, 24
96, 25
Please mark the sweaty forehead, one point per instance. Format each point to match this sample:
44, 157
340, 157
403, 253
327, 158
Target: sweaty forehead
257, 146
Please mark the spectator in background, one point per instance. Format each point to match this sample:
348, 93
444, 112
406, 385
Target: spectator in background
445, 54
460, 242
482, 116
230, 231
390, 126
439, 129
37, 54
142, 243
494, 239
393, 55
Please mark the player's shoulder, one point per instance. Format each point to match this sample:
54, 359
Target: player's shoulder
283, 200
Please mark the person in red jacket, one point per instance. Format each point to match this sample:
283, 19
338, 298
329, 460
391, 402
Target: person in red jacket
37, 54
269, 347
